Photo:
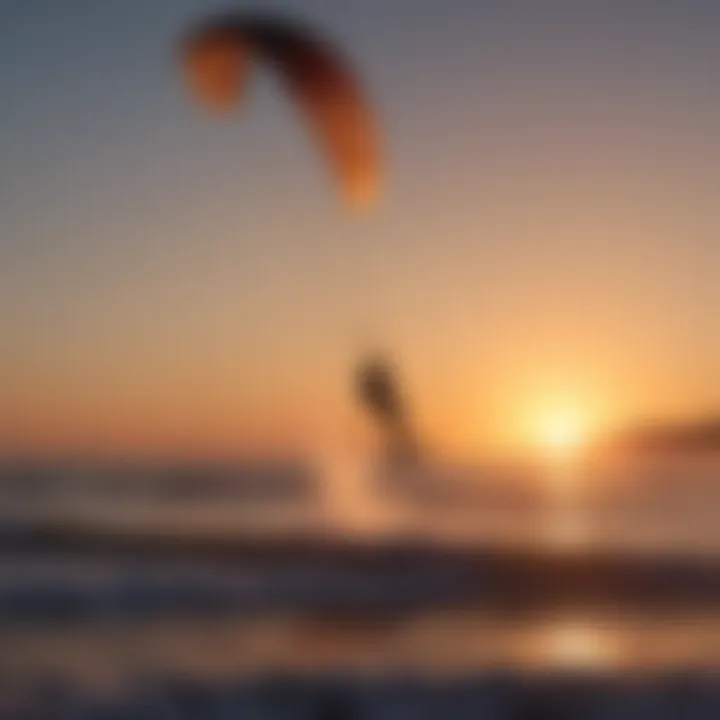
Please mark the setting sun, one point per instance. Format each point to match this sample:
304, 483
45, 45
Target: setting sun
562, 432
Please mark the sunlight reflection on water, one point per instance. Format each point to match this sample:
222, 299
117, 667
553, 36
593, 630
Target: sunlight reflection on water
434, 643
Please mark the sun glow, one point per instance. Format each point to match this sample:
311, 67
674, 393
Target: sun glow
562, 432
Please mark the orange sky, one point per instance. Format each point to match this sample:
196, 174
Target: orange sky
548, 238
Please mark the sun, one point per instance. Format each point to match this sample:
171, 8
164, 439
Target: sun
562, 432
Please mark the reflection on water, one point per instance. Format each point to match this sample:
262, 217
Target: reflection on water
103, 621
565, 529
566, 525
668, 506
570, 645
432, 644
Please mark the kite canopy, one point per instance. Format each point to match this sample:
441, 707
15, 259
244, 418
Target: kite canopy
217, 56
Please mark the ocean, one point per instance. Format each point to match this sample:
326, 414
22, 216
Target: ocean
111, 579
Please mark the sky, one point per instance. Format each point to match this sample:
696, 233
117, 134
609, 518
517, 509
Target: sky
547, 241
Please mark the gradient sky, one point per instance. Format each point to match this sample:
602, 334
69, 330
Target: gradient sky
548, 238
